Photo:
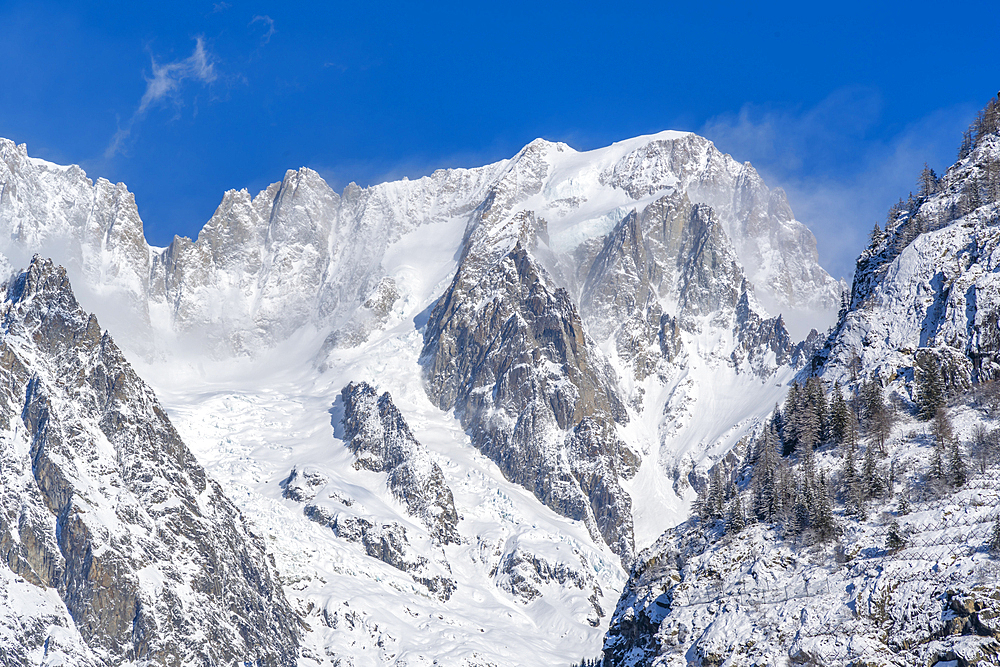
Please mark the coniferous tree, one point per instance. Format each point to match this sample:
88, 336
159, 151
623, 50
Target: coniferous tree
937, 462
895, 539
930, 385
790, 430
701, 507
736, 519
839, 415
845, 306
816, 404
801, 513
956, 466
876, 236
777, 421
716, 495
871, 482
903, 508
766, 503
928, 182
822, 519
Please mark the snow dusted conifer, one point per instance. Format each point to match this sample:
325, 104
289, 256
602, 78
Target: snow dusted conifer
791, 426
956, 466
823, 520
839, 415
736, 519
766, 500
894, 539
816, 410
928, 182
930, 384
903, 507
872, 484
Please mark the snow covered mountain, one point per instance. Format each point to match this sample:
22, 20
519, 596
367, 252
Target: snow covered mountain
118, 547
902, 570
560, 342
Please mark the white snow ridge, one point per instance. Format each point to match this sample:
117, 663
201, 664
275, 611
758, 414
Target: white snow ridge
440, 417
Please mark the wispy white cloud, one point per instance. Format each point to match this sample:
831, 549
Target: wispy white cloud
269, 25
839, 179
165, 83
167, 78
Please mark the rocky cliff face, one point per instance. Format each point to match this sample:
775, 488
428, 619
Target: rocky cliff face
507, 351
675, 257
107, 514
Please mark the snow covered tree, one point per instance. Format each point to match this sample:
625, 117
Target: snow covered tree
878, 414
736, 519
894, 539
845, 306
712, 498
840, 414
822, 519
903, 508
764, 477
871, 398
956, 466
872, 484
930, 384
927, 184
815, 404
790, 426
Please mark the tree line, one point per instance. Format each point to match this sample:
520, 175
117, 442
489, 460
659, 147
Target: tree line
780, 484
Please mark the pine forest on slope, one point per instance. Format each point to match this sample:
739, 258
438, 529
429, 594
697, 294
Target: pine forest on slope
861, 525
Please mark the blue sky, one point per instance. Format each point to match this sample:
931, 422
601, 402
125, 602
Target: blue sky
839, 103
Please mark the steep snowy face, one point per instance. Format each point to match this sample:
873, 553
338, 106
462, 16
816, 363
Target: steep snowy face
673, 268
106, 515
930, 283
585, 194
92, 227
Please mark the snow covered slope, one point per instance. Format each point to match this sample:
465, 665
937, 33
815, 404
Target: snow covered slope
120, 548
904, 570
479, 300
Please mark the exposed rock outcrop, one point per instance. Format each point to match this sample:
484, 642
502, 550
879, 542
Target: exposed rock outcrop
382, 442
